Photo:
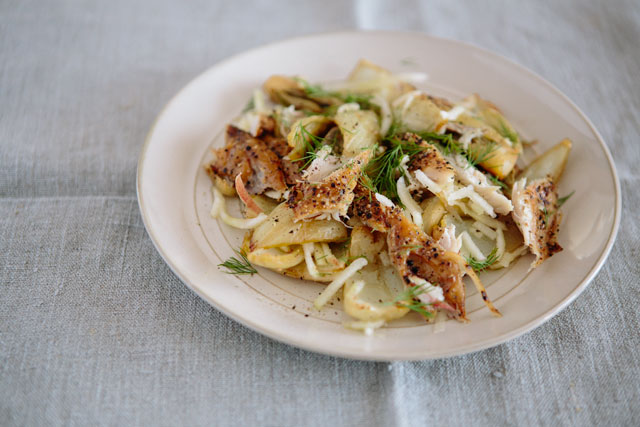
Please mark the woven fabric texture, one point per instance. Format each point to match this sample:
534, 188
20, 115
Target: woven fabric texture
96, 330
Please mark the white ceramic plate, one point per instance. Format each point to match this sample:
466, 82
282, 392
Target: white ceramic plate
175, 197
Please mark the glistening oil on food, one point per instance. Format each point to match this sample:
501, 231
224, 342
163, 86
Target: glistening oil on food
388, 195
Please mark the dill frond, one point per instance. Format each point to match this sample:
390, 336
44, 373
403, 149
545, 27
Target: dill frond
563, 200
317, 91
508, 133
497, 182
409, 248
386, 168
547, 213
483, 265
312, 144
312, 90
448, 145
367, 183
394, 129
411, 295
363, 100
238, 265
249, 106
477, 155
345, 245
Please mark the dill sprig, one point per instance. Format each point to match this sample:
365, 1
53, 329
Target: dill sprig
483, 265
345, 245
477, 155
322, 257
312, 144
563, 200
547, 213
449, 145
409, 248
363, 100
348, 259
238, 265
411, 295
394, 129
385, 168
366, 181
384, 171
408, 61
317, 91
497, 182
508, 133
249, 106
314, 90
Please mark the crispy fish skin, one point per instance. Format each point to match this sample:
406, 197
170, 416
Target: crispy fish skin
366, 207
430, 161
412, 251
259, 166
535, 212
330, 197
281, 148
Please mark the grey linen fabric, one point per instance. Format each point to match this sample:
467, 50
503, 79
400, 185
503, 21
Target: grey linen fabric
96, 330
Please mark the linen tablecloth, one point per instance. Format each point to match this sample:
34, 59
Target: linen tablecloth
96, 330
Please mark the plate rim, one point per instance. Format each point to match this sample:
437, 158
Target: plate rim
284, 338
